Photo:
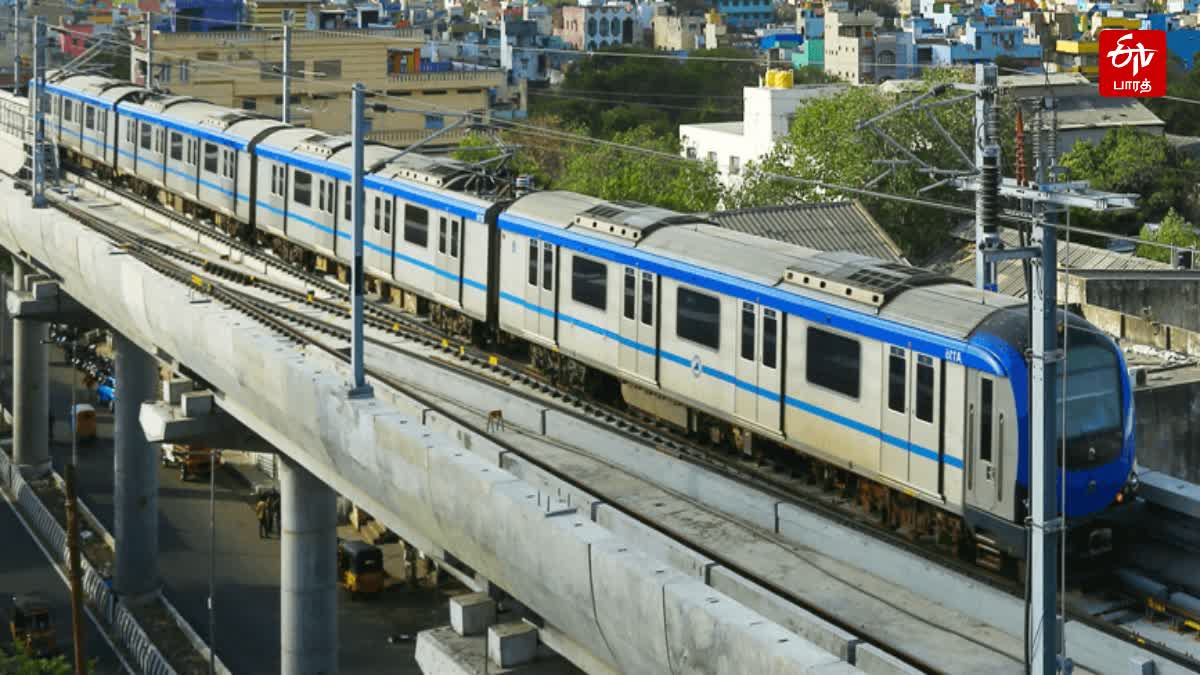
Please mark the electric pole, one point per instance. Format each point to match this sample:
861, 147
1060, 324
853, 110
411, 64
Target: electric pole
286, 114
149, 50
37, 104
987, 161
75, 569
359, 388
16, 38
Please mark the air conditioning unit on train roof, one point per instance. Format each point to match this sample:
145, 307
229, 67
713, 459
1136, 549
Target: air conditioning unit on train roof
627, 220
860, 279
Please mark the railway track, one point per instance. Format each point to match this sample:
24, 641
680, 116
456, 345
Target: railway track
319, 295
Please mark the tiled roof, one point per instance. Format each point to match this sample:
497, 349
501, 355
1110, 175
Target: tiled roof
959, 260
825, 226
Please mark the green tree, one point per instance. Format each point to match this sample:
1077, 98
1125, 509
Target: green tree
1129, 161
825, 144
616, 174
1172, 231
18, 663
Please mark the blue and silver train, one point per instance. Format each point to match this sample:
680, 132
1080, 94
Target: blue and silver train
913, 384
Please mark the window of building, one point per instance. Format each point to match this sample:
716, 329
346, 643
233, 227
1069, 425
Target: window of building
589, 282
735, 165
89, 117
185, 71
249, 104
271, 70
712, 157
985, 420
329, 70
416, 225
924, 388
748, 331
691, 153
147, 132
208, 56
533, 262
770, 338
698, 318
177, 146
302, 188
897, 375
833, 362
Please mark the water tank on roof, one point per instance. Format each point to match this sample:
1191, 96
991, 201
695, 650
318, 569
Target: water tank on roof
779, 78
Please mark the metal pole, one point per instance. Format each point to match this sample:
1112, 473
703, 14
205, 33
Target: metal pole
286, 111
16, 47
1045, 520
212, 557
149, 82
74, 418
359, 388
987, 197
37, 103
76, 586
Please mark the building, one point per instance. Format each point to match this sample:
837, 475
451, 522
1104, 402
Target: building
271, 12
54, 13
205, 15
592, 27
1083, 114
767, 111
810, 23
1077, 56
746, 15
679, 32
849, 51
242, 70
824, 226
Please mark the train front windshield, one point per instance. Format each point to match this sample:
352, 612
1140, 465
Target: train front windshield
1092, 422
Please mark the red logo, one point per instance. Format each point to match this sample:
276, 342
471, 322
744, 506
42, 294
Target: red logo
1133, 63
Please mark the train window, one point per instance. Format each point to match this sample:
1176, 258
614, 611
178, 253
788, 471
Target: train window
348, 200
985, 420
648, 298
770, 334
416, 225
589, 282
193, 151
630, 301
833, 362
748, 319
332, 187
159, 140
924, 388
302, 188
547, 265
387, 215
147, 132
89, 117
321, 194
441, 235
69, 110
533, 258
897, 374
210, 157
129, 132
698, 318
378, 209
454, 238
176, 146
230, 164
102, 124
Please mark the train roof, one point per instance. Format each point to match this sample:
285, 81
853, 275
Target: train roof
104, 90
621, 223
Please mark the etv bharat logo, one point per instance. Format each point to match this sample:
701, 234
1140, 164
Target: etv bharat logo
1133, 63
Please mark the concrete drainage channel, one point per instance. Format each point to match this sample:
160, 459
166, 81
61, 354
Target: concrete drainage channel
138, 631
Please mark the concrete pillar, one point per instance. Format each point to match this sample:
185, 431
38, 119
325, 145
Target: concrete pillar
31, 391
135, 472
308, 568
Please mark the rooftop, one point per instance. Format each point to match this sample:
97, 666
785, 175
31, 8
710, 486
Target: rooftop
826, 226
734, 128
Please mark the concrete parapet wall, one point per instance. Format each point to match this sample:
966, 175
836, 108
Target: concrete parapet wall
413, 480
1168, 429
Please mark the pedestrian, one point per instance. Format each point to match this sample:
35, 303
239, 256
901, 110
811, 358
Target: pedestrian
274, 504
260, 511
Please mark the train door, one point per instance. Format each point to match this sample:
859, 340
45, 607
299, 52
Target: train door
756, 396
983, 421
638, 345
895, 419
539, 288
448, 258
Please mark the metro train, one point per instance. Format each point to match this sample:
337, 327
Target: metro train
911, 387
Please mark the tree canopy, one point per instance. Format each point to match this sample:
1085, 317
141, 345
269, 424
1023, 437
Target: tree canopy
16, 662
1172, 231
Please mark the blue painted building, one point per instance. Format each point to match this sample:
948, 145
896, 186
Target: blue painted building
207, 15
746, 15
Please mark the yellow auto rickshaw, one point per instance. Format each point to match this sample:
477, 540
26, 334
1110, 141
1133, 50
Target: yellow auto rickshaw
83, 422
192, 460
32, 626
360, 567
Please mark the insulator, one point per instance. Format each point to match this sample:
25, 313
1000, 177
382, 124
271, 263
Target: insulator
987, 205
